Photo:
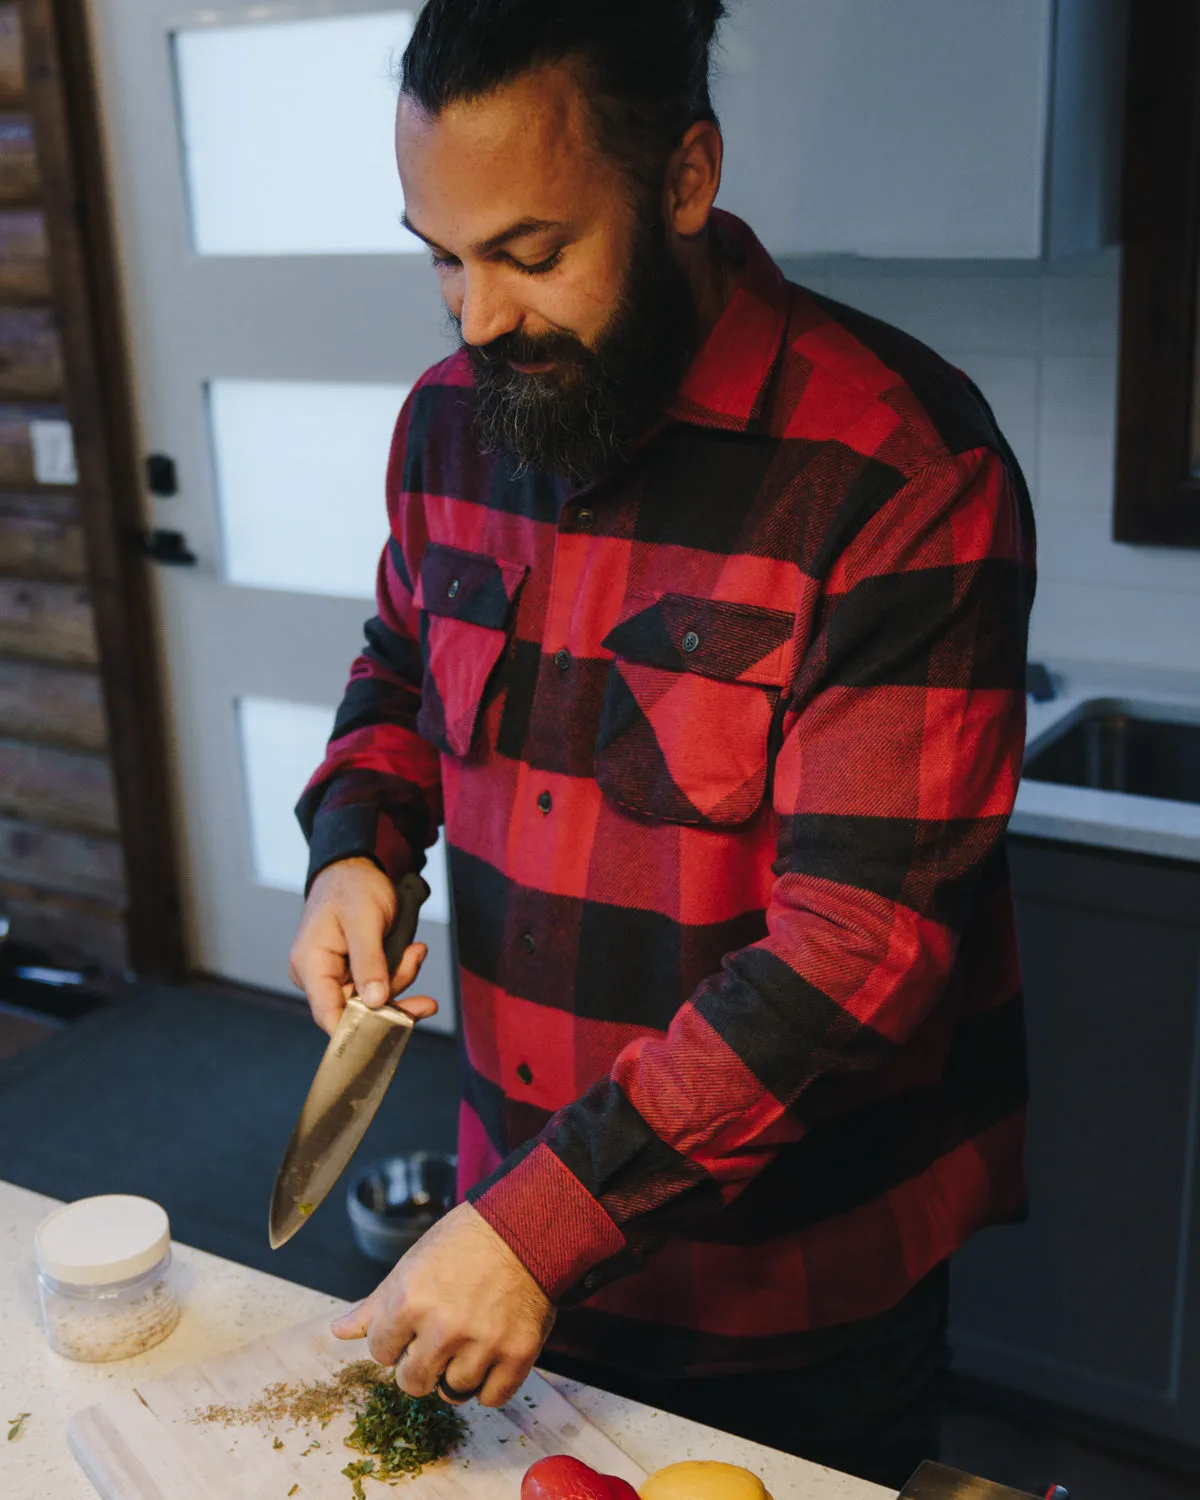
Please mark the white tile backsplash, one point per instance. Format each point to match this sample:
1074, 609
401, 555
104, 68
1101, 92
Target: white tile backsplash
1042, 343
1080, 314
1122, 626
1079, 393
1075, 545
992, 315
1075, 469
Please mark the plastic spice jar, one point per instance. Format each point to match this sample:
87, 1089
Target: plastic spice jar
104, 1275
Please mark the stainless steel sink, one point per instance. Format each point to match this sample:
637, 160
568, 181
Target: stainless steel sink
1117, 746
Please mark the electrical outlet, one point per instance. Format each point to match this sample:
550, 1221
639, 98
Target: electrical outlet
53, 452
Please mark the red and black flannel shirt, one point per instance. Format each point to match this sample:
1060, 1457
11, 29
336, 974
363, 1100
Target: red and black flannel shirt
725, 746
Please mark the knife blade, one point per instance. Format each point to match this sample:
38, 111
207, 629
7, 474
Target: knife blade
936, 1482
350, 1082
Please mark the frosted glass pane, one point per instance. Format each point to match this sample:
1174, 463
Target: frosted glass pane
282, 745
288, 135
300, 469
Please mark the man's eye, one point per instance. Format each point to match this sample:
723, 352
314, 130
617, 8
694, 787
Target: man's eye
444, 262
541, 267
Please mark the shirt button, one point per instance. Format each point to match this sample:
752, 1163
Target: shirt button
562, 659
585, 519
545, 801
592, 1280
690, 641
525, 1073
527, 942
452, 589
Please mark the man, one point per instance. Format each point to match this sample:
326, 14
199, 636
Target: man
702, 626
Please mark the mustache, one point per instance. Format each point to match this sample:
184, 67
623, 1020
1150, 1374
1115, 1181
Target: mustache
527, 349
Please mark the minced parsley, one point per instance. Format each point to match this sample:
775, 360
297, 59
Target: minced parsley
401, 1433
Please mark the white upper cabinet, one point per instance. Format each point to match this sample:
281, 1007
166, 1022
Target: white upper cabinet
923, 128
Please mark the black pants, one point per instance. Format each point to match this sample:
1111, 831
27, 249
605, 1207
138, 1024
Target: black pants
873, 1409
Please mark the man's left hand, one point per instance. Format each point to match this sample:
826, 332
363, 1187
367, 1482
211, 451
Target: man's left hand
458, 1305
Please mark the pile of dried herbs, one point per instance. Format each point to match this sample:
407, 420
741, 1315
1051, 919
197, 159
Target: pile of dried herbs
401, 1434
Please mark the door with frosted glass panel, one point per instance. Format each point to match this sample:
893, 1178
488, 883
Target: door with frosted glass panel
278, 315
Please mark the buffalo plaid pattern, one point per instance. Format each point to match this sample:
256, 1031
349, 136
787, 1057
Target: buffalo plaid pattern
725, 745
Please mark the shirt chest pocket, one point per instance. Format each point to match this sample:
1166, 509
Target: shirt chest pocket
689, 706
467, 602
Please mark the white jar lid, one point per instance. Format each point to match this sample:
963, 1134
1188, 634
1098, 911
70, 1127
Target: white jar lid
95, 1241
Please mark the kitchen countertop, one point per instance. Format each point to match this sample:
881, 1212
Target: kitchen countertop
1109, 820
225, 1305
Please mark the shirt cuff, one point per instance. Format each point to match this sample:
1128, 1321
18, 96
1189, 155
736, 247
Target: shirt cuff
550, 1221
357, 831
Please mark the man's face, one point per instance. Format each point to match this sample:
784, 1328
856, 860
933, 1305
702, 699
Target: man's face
578, 320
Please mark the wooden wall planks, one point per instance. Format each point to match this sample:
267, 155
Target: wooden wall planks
52, 704
12, 63
82, 864
50, 621
34, 543
61, 863
49, 102
30, 354
24, 256
20, 178
76, 931
71, 788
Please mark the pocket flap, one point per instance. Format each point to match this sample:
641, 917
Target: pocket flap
713, 637
468, 586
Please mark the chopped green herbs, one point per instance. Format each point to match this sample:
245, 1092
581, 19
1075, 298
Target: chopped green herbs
15, 1424
306, 1208
355, 1471
403, 1433
278, 1443
293, 1489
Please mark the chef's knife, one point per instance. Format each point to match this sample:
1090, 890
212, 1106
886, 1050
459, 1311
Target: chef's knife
937, 1482
349, 1085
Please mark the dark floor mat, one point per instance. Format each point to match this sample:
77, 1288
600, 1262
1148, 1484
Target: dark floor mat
188, 1097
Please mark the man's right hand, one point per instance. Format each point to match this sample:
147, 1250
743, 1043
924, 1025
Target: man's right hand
338, 950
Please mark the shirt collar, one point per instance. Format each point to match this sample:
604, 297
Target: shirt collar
727, 382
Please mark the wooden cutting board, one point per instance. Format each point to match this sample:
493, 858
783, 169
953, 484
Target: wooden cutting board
141, 1444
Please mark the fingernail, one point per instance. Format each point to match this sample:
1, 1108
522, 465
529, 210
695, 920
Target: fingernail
375, 993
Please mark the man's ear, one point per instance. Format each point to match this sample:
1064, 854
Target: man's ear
693, 177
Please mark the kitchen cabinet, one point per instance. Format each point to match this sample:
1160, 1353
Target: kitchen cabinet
924, 128
1094, 1303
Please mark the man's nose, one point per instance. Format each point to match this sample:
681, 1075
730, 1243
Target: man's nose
486, 312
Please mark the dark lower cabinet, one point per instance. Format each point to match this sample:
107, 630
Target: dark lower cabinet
1094, 1303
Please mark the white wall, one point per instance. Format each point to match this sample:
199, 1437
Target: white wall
1041, 342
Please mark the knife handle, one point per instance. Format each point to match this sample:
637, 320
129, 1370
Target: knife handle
411, 893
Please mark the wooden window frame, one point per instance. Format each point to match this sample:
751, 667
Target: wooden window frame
64, 105
1158, 424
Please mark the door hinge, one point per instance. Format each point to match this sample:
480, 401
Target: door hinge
169, 547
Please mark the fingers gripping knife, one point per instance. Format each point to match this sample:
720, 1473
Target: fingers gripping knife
936, 1482
348, 1088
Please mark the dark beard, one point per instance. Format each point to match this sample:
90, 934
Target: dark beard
579, 419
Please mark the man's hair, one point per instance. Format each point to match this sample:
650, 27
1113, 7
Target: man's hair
644, 64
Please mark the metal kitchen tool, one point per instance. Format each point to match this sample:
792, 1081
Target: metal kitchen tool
349, 1085
937, 1482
